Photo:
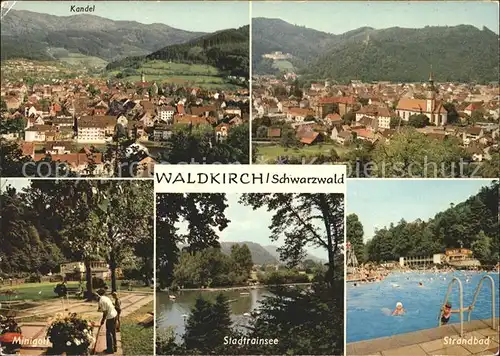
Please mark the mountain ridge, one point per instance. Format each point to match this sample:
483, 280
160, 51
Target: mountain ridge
457, 53
28, 34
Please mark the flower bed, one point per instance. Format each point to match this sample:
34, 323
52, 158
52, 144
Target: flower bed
71, 335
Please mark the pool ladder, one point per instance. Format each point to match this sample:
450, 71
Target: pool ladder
461, 301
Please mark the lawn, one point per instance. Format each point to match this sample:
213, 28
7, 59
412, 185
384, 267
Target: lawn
199, 75
137, 339
270, 153
33, 291
77, 59
283, 65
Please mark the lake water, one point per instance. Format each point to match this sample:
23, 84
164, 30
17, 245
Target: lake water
369, 305
170, 313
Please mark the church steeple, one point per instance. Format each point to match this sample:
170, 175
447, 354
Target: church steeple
431, 89
143, 77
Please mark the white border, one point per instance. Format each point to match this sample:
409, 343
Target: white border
250, 179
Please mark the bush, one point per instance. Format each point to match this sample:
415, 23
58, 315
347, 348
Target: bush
61, 290
33, 278
71, 335
98, 283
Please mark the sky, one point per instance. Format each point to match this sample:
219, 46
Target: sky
380, 202
253, 225
340, 17
197, 16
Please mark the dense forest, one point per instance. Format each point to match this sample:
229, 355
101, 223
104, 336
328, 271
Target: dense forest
27, 34
472, 224
227, 50
461, 53
50, 222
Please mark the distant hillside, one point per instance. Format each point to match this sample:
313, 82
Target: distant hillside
269, 35
227, 50
39, 36
459, 53
273, 250
260, 255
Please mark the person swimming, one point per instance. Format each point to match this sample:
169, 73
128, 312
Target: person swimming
446, 312
420, 284
399, 309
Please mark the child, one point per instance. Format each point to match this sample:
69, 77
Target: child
446, 312
118, 307
399, 309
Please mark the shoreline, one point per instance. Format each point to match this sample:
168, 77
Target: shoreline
261, 286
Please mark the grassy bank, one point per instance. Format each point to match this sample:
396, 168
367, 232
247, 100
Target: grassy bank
137, 339
270, 153
32, 291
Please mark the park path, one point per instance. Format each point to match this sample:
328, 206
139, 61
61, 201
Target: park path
131, 302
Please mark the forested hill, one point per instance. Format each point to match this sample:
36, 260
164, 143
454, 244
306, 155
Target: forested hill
269, 35
472, 224
461, 53
260, 255
457, 54
228, 50
40, 36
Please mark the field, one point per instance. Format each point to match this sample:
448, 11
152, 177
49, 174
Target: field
76, 59
270, 153
283, 65
199, 75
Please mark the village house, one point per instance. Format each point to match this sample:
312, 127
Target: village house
91, 131
39, 133
471, 134
162, 132
166, 114
429, 107
221, 132
298, 114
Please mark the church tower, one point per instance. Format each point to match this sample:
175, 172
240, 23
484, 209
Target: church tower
431, 94
143, 77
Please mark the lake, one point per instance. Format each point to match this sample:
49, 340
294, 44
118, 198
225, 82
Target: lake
170, 312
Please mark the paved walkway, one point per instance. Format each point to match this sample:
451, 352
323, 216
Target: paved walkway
131, 302
443, 340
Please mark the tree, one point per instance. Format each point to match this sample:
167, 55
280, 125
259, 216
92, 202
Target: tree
316, 219
3, 105
355, 236
395, 122
242, 257
201, 212
100, 219
481, 248
349, 117
476, 116
418, 121
288, 137
262, 132
412, 154
304, 322
207, 325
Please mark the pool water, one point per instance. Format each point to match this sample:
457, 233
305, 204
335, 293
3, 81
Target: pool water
369, 305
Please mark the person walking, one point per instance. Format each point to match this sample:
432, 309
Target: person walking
118, 307
109, 315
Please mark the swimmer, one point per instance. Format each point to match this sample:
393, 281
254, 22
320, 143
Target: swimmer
420, 284
355, 284
446, 312
399, 309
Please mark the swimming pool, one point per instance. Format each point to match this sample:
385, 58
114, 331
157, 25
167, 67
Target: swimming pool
369, 305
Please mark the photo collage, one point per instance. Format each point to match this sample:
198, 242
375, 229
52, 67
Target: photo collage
250, 178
